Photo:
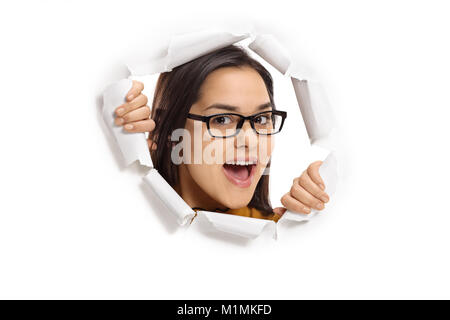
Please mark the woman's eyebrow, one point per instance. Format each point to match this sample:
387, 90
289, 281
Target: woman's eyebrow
234, 108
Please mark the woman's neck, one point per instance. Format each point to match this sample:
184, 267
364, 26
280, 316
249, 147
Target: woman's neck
192, 194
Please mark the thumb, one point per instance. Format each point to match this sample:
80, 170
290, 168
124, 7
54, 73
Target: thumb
279, 211
135, 90
151, 144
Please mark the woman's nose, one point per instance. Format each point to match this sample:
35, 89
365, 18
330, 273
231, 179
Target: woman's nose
246, 137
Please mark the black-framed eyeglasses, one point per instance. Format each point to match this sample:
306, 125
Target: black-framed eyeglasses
225, 125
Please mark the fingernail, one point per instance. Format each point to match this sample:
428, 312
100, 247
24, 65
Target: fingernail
130, 97
120, 111
319, 206
321, 186
129, 126
308, 210
324, 198
119, 121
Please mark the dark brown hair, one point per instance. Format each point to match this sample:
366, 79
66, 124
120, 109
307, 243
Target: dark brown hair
176, 91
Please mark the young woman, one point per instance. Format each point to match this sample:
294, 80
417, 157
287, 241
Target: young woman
228, 97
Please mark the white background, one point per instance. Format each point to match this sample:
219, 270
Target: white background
75, 224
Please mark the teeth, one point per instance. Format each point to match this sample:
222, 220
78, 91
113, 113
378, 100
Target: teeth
241, 163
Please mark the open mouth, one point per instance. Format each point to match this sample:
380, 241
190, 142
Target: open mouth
240, 173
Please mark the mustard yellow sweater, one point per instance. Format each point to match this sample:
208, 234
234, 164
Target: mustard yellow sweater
252, 213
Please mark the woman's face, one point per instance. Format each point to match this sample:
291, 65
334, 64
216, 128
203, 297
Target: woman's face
228, 169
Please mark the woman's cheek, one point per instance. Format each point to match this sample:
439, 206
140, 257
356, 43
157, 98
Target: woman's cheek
265, 149
201, 174
212, 181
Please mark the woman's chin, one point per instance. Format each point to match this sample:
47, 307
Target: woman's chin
236, 200
236, 197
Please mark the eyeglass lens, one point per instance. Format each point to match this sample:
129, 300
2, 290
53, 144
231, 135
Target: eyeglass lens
227, 124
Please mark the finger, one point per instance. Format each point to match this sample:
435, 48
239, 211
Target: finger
151, 144
313, 172
279, 211
293, 205
140, 101
140, 126
135, 90
306, 182
142, 113
305, 197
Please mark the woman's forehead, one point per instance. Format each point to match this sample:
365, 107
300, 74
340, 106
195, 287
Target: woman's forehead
242, 88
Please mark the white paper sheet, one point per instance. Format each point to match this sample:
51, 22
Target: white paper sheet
241, 226
174, 203
133, 145
316, 111
186, 47
268, 48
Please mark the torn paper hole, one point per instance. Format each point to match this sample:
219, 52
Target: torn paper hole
315, 111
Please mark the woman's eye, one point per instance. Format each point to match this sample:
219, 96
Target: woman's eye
222, 120
261, 120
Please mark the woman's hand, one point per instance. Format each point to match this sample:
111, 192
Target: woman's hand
134, 114
307, 192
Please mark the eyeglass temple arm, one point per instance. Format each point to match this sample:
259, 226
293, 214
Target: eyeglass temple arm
197, 117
